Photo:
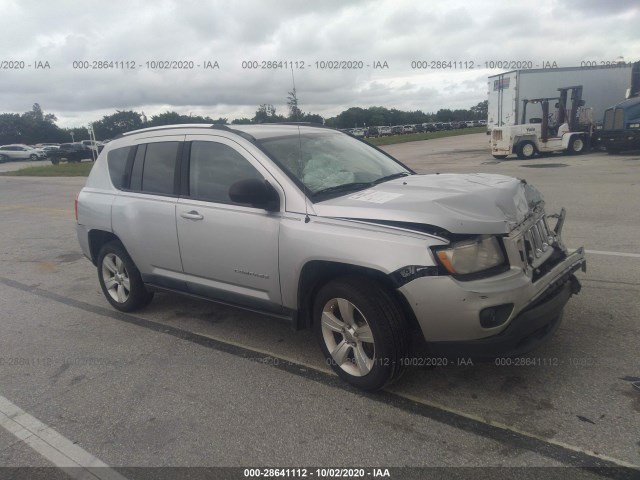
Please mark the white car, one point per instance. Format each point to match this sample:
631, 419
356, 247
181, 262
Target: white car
20, 152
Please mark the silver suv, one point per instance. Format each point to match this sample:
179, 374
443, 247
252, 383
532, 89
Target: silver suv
312, 225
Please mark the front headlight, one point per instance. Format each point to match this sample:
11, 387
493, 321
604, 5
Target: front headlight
471, 256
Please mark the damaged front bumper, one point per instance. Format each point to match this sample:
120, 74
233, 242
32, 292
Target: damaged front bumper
529, 297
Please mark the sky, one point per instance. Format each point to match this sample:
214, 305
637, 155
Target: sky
401, 37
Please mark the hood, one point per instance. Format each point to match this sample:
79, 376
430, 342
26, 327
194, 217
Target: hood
463, 204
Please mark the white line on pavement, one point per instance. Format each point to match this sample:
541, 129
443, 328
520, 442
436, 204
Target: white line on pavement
613, 254
60, 451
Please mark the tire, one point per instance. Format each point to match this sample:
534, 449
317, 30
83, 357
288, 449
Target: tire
4, 158
115, 271
525, 150
33, 157
577, 145
350, 306
500, 157
612, 151
55, 161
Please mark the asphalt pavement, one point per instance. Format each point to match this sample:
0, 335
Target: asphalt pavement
190, 383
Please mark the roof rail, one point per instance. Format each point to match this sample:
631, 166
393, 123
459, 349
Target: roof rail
165, 127
302, 124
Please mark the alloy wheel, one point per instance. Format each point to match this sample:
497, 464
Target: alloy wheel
116, 278
348, 337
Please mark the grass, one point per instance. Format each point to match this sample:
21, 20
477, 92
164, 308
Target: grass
62, 170
415, 137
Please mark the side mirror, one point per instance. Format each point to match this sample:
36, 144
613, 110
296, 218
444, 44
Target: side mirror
254, 192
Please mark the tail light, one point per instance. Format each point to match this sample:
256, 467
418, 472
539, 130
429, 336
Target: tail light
75, 205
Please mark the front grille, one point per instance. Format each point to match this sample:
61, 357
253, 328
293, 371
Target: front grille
537, 242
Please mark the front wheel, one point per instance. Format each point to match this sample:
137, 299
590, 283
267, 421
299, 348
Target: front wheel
577, 145
120, 279
33, 157
361, 331
55, 161
526, 150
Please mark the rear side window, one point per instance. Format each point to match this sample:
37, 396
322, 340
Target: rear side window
117, 162
154, 168
213, 168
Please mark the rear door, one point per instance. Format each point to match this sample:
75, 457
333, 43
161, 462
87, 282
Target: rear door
144, 213
229, 251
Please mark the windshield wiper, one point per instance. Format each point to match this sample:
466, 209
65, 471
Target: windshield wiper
391, 177
345, 187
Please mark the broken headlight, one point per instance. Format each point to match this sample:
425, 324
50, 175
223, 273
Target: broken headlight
471, 256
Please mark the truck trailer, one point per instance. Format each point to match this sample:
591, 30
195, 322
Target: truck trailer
602, 87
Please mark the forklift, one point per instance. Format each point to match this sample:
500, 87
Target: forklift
570, 131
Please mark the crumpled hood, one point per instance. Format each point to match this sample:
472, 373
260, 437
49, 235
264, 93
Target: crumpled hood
460, 203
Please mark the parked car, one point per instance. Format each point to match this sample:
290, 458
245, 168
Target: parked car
419, 128
94, 145
313, 226
429, 127
373, 132
408, 129
384, 131
48, 148
397, 130
358, 132
20, 152
72, 152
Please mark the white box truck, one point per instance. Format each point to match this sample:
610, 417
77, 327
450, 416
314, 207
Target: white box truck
602, 87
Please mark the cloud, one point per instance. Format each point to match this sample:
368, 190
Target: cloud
367, 31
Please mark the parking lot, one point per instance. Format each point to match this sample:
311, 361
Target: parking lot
190, 383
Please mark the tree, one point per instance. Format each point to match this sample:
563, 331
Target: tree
120, 122
295, 114
266, 113
37, 116
241, 121
166, 118
481, 110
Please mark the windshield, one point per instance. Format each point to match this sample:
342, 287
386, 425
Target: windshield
325, 160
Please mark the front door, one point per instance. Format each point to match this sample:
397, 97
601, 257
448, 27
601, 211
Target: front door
229, 251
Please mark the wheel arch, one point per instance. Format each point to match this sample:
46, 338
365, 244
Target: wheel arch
525, 138
97, 239
317, 273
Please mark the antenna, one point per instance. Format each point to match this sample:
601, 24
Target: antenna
304, 186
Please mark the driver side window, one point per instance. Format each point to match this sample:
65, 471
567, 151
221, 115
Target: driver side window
213, 168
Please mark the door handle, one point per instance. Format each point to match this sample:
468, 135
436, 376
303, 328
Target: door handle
192, 215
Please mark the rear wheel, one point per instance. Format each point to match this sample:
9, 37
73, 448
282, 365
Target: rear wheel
33, 157
120, 279
361, 331
525, 150
55, 160
577, 145
4, 158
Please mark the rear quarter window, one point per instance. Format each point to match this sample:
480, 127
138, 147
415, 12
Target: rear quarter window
117, 162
